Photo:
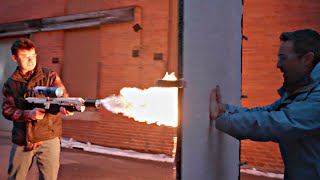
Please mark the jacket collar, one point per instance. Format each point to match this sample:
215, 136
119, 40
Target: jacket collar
315, 73
38, 74
315, 77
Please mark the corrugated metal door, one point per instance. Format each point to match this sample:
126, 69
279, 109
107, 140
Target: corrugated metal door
80, 64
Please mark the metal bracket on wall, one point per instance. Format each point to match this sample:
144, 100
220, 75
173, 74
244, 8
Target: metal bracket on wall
171, 83
245, 37
244, 96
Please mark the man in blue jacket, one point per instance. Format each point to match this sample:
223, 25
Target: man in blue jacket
293, 121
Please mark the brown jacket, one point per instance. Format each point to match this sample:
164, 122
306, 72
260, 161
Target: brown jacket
16, 108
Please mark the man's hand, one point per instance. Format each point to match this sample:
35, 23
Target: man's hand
216, 107
36, 113
65, 112
219, 101
213, 106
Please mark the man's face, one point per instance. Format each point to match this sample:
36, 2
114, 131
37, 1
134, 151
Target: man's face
26, 59
291, 65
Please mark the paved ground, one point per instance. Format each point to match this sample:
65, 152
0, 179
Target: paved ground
82, 165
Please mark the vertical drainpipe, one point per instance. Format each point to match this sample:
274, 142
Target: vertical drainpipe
178, 156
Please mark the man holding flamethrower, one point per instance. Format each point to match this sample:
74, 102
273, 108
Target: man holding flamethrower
29, 102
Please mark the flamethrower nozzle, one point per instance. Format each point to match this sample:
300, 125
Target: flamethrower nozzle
92, 103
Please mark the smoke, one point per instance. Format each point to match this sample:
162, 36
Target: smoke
115, 104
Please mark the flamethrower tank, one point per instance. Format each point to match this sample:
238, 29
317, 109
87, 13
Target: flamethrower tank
48, 91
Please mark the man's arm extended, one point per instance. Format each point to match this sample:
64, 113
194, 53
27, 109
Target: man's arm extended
296, 120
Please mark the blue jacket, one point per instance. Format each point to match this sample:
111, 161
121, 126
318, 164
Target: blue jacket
292, 121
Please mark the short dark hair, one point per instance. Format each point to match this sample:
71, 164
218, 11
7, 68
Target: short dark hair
305, 40
22, 43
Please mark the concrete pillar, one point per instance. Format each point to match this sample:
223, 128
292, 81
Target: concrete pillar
212, 36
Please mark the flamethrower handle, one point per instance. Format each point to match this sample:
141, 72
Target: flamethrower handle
53, 109
70, 108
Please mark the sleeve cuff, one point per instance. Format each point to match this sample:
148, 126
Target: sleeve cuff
26, 115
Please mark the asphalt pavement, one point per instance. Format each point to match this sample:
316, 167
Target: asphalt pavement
81, 165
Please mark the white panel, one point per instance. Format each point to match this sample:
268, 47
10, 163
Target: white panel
7, 67
211, 56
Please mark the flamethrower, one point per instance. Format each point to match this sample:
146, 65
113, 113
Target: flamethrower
53, 100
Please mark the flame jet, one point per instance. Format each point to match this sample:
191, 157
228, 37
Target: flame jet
153, 105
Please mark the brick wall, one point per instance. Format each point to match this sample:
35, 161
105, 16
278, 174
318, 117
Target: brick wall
263, 22
49, 45
11, 11
119, 69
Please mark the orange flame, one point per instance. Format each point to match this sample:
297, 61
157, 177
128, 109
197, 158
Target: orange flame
153, 105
